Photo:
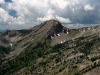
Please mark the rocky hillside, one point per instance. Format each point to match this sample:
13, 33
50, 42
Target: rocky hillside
50, 49
18, 40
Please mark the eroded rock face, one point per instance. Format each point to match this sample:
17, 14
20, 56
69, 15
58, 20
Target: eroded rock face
65, 30
56, 28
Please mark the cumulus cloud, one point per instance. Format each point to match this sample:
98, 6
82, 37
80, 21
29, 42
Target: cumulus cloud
63, 20
60, 3
29, 13
88, 7
2, 1
48, 17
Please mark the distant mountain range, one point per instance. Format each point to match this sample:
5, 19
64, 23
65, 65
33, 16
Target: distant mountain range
1, 30
50, 49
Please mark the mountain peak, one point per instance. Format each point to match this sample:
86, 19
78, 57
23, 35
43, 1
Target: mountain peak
55, 27
51, 22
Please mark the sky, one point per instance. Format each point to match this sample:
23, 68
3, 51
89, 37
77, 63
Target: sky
20, 14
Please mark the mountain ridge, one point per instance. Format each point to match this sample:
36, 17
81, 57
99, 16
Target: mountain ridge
50, 49
51, 29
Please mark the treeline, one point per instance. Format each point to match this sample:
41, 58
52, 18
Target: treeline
3, 51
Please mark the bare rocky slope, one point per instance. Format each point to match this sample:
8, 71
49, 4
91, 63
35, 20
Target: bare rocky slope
50, 49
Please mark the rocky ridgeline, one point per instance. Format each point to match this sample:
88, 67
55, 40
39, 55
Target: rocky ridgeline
89, 28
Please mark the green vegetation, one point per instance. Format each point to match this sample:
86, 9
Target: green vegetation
28, 55
73, 57
55, 59
4, 50
73, 32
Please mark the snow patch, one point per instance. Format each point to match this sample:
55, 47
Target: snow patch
52, 37
54, 34
58, 34
88, 28
67, 32
61, 42
11, 44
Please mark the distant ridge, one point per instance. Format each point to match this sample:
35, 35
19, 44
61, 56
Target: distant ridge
1, 30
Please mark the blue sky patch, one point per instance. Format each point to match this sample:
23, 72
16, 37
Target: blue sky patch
8, 0
13, 13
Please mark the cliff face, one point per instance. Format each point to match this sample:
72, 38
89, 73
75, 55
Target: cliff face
55, 28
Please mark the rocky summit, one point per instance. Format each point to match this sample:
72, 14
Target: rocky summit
50, 49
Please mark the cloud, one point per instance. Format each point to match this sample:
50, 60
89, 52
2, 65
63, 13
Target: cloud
4, 16
48, 17
88, 7
18, 14
2, 1
8, 21
60, 3
63, 20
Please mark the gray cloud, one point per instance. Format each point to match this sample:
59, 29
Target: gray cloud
32, 12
